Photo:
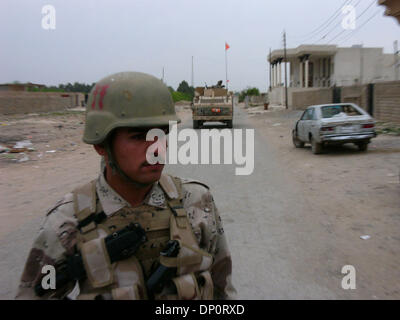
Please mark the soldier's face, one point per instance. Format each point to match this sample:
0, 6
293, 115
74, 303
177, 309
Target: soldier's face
129, 149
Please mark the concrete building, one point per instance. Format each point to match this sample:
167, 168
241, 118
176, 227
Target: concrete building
324, 66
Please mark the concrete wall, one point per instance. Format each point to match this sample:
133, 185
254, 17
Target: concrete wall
277, 96
389, 67
32, 102
355, 66
304, 98
356, 94
387, 101
258, 100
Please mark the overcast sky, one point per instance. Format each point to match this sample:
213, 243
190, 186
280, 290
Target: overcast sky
94, 38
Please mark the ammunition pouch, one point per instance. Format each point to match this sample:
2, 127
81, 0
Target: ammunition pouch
113, 268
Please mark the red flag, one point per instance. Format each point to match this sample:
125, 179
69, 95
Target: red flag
226, 46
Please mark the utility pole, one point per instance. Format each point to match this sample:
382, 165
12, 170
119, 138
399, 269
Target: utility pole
396, 60
361, 64
284, 53
162, 79
270, 70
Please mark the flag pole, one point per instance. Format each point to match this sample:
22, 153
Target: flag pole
226, 67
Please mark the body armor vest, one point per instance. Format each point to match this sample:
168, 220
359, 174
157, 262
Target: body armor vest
125, 279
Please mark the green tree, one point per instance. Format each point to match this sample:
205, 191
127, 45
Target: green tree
248, 92
186, 89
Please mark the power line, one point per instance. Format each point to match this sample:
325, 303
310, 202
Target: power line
344, 30
334, 15
354, 31
323, 37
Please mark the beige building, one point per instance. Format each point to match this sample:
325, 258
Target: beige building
323, 66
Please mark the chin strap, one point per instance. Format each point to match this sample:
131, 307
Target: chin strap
112, 162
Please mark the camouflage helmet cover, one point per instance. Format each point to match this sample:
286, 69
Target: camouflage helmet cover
127, 99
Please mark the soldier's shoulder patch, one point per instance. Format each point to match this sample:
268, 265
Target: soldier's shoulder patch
193, 181
66, 199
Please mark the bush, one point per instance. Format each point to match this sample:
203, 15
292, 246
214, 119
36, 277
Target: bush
178, 96
248, 92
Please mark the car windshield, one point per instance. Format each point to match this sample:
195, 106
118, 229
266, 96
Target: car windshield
332, 111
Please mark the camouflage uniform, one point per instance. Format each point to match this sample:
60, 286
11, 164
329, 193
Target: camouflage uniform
179, 210
58, 234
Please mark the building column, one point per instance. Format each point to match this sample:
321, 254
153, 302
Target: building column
280, 73
272, 74
328, 70
321, 72
301, 72
276, 74
306, 73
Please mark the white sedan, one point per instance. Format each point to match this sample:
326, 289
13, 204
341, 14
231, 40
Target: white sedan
337, 123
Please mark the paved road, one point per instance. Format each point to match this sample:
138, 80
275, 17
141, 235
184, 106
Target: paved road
263, 216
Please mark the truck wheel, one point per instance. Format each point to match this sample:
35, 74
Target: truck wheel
229, 124
316, 147
362, 146
296, 141
195, 124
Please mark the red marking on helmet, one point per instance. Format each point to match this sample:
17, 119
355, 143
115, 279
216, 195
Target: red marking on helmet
96, 90
102, 95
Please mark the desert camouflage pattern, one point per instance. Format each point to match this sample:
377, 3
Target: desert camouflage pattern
57, 237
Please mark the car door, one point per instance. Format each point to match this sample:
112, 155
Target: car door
300, 125
313, 123
305, 125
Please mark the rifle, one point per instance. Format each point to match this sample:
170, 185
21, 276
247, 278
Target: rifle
163, 274
119, 245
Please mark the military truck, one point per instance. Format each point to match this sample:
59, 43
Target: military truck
213, 103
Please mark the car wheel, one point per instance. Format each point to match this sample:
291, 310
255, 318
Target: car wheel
195, 124
296, 141
362, 146
316, 147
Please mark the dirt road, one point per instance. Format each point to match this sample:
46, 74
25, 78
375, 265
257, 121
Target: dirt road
291, 225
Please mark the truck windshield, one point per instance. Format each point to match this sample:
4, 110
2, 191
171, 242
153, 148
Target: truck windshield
332, 111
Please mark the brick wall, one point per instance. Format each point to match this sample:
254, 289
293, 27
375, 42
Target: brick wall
387, 101
32, 102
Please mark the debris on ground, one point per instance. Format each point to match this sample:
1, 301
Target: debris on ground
388, 128
23, 144
4, 149
24, 159
365, 237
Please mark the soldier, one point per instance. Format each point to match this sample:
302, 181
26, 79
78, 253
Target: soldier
85, 235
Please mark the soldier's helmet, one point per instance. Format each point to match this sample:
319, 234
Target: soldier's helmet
127, 99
